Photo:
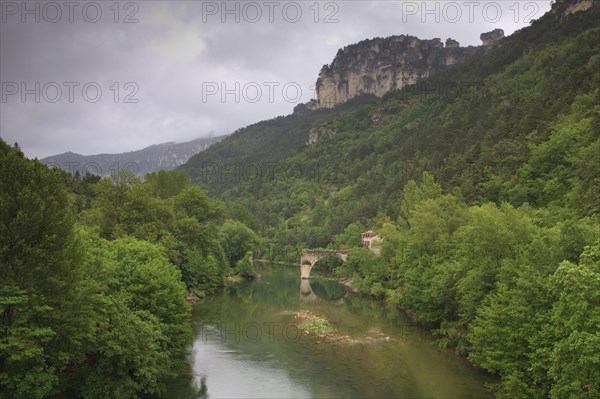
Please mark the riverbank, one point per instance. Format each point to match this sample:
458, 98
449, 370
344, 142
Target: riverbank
274, 338
272, 262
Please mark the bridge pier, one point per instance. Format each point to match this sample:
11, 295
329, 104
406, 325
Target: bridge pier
305, 271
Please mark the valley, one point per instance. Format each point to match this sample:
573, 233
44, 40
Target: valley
427, 227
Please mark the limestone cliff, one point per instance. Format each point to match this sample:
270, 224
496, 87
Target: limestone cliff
492, 38
568, 7
379, 65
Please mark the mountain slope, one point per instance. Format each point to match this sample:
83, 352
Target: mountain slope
483, 182
475, 138
166, 156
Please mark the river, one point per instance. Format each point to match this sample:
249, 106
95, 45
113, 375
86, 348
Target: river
248, 345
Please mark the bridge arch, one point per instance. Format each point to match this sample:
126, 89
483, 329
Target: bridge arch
308, 296
310, 258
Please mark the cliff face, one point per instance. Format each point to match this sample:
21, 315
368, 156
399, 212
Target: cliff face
568, 7
492, 38
378, 66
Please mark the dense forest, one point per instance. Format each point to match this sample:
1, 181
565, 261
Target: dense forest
486, 193
95, 274
487, 200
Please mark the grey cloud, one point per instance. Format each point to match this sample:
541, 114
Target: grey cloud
171, 52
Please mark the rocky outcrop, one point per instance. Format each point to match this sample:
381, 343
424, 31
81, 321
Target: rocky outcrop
380, 65
451, 43
492, 38
303, 109
321, 130
568, 7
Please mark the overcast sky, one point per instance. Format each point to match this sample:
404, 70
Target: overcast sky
119, 78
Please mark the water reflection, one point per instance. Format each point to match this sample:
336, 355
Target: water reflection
245, 347
232, 373
201, 390
324, 297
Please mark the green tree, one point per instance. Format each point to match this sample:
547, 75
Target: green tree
144, 341
41, 280
575, 358
167, 184
237, 240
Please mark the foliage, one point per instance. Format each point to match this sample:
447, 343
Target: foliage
488, 205
237, 240
485, 202
95, 274
244, 267
40, 278
313, 324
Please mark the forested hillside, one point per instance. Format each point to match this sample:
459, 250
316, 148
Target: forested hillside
478, 136
484, 183
94, 278
488, 134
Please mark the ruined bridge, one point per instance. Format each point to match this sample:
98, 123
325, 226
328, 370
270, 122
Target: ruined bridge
311, 257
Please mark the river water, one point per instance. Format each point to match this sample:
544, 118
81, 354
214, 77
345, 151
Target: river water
248, 345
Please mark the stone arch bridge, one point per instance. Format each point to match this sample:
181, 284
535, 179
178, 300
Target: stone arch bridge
311, 257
